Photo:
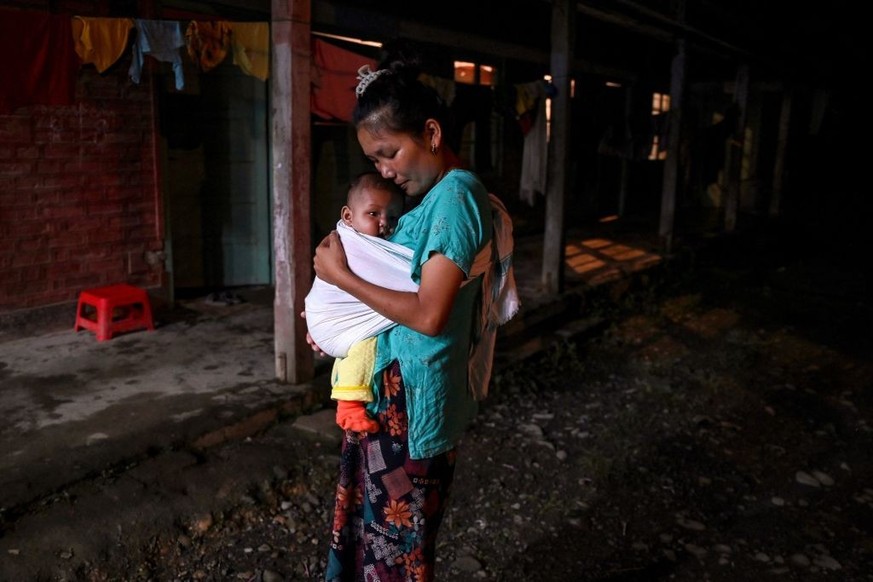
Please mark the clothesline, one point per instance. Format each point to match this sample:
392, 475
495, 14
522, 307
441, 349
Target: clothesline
52, 48
102, 41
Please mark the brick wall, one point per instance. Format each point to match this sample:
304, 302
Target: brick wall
78, 199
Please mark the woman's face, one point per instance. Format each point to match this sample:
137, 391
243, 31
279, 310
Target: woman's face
403, 158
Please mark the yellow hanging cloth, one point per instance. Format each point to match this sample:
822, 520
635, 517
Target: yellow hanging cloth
251, 48
100, 41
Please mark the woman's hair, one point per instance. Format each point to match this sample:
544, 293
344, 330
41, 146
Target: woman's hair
395, 99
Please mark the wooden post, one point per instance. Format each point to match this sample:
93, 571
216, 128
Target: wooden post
750, 188
163, 233
628, 153
779, 165
734, 163
563, 35
291, 159
674, 134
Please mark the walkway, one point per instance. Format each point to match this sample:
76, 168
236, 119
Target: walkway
74, 407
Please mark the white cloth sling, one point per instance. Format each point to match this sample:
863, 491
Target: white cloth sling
335, 319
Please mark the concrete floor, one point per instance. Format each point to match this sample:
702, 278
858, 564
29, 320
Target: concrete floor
74, 407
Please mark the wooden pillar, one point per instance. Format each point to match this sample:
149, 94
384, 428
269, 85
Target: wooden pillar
674, 134
750, 187
148, 9
781, 146
291, 163
563, 35
734, 163
628, 153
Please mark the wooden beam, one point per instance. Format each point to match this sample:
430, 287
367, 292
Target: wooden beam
563, 41
680, 25
628, 139
674, 134
262, 6
665, 29
380, 26
626, 22
291, 159
781, 146
486, 46
730, 87
750, 187
735, 151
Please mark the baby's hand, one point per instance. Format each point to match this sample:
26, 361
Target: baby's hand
311, 341
352, 415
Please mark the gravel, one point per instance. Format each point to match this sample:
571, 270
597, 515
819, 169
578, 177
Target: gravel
719, 429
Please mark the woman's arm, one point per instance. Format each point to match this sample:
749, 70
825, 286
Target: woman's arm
426, 311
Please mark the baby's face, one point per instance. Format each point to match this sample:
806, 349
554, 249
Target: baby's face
374, 212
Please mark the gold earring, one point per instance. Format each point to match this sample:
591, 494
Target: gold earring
433, 148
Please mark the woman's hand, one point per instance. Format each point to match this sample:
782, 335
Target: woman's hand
330, 262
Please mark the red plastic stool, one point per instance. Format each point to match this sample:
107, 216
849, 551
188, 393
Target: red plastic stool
132, 301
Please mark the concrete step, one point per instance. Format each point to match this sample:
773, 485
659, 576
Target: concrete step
516, 349
321, 425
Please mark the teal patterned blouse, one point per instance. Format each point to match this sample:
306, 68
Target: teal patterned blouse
454, 220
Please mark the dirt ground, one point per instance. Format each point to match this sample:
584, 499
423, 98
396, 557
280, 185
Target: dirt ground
719, 427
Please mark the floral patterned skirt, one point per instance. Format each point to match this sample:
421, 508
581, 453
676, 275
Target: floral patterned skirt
388, 506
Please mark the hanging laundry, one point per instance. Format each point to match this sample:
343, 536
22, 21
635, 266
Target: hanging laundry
39, 63
251, 48
101, 41
526, 96
534, 160
208, 43
527, 101
334, 80
161, 40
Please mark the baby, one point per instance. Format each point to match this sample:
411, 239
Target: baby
373, 206
347, 329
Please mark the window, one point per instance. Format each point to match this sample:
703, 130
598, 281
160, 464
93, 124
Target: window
484, 147
474, 74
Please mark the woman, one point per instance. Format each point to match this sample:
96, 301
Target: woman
394, 482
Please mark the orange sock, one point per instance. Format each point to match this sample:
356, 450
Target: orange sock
352, 415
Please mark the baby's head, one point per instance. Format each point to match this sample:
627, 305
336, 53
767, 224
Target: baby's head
373, 205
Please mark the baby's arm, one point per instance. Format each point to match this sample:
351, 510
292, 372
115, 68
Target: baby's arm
350, 378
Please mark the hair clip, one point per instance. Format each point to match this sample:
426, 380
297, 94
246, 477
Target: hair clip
365, 77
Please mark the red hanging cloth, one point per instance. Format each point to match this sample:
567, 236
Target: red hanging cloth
334, 80
38, 62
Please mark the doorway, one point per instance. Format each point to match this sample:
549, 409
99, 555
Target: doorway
215, 138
